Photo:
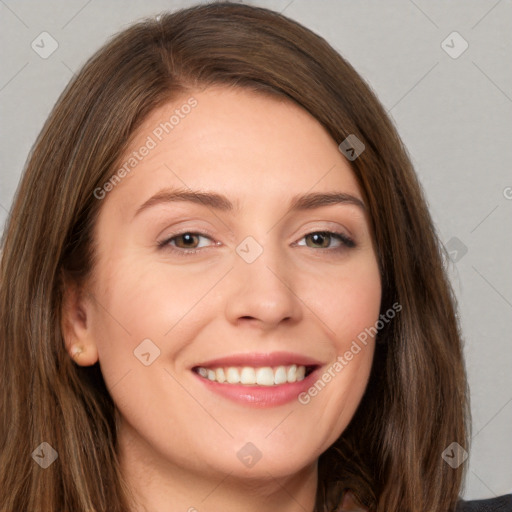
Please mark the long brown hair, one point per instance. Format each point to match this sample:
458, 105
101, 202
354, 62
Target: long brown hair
416, 403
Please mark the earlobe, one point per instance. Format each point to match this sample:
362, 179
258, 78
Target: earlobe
76, 351
84, 356
76, 327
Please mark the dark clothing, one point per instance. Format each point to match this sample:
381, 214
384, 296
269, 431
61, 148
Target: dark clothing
499, 504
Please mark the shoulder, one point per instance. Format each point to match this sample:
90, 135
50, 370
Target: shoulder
499, 504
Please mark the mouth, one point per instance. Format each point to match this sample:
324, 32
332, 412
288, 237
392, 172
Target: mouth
268, 376
258, 379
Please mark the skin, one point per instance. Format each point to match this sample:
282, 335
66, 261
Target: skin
178, 441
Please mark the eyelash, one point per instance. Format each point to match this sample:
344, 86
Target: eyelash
346, 241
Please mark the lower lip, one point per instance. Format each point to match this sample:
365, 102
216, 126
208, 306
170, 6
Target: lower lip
260, 396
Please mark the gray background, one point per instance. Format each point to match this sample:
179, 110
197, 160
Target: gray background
454, 115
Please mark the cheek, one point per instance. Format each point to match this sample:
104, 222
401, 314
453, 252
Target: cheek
350, 304
139, 300
148, 300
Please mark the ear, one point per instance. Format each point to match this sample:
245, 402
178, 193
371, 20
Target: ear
76, 326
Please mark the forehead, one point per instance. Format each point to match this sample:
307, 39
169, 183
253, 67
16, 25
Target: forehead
245, 144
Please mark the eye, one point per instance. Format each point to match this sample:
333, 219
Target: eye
183, 243
323, 238
188, 242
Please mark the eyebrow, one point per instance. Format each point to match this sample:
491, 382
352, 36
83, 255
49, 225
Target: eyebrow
303, 202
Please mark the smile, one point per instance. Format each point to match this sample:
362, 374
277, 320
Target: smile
250, 376
258, 379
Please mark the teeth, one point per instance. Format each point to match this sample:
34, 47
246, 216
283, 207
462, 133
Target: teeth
292, 373
280, 375
233, 376
248, 375
265, 376
219, 374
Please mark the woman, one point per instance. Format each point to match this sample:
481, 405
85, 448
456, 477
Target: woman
221, 288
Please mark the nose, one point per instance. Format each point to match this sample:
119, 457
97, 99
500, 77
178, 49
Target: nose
261, 293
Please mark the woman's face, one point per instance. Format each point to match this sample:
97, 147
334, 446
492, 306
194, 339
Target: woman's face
237, 283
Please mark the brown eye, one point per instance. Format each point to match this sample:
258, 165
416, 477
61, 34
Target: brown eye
186, 243
189, 240
323, 239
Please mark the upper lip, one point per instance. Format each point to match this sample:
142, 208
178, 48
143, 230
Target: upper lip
257, 360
